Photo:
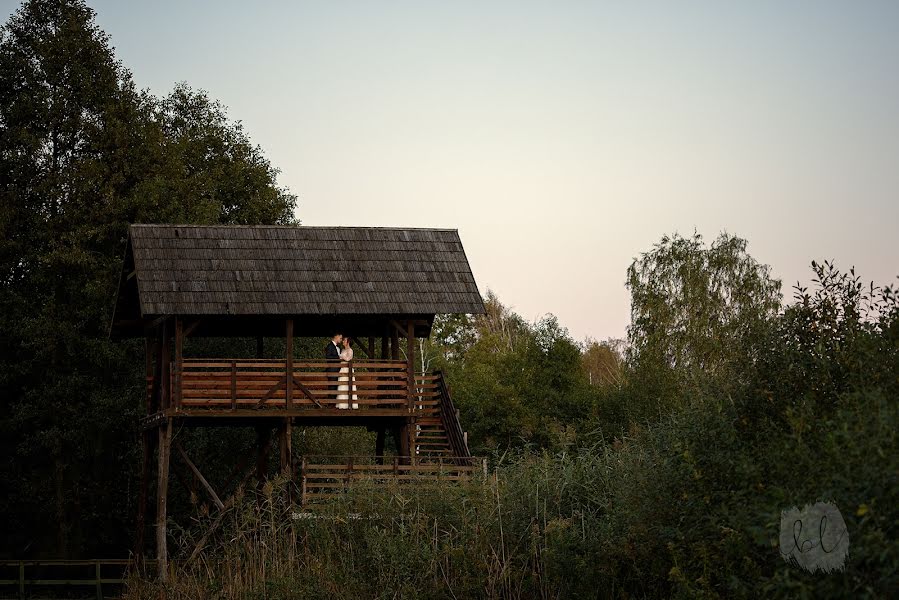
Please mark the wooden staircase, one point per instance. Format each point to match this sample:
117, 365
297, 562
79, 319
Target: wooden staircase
440, 453
438, 432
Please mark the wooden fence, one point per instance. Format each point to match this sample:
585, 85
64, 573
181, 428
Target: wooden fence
323, 476
34, 578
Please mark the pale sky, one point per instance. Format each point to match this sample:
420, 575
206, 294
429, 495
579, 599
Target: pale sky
560, 139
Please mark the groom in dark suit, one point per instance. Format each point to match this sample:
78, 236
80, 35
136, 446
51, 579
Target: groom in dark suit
332, 352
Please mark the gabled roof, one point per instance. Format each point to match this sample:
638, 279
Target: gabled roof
294, 270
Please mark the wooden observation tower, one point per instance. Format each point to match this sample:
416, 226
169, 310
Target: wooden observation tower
381, 286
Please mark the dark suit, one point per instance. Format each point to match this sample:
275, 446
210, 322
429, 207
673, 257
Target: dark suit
332, 353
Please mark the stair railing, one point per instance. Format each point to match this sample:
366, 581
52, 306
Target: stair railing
450, 417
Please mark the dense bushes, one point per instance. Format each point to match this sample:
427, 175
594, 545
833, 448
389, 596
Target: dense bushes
689, 508
683, 504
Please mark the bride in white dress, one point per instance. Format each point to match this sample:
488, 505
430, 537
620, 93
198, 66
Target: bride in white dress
344, 377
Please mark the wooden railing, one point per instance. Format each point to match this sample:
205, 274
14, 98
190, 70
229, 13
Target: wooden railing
450, 415
33, 578
226, 383
323, 476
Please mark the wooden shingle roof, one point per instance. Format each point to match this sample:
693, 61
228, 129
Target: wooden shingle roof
297, 270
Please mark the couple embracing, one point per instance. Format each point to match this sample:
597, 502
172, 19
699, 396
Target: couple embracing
339, 349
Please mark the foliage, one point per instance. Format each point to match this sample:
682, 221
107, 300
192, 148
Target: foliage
687, 506
660, 469
698, 311
82, 154
515, 383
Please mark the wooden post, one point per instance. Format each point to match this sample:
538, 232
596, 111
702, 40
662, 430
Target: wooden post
379, 445
149, 348
146, 465
263, 437
371, 347
394, 344
303, 482
179, 360
165, 383
162, 489
156, 388
233, 385
288, 390
198, 475
260, 347
286, 439
410, 385
410, 364
385, 347
349, 384
402, 437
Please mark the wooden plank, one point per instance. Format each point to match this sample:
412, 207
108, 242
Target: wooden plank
271, 392
199, 475
306, 392
233, 385
162, 487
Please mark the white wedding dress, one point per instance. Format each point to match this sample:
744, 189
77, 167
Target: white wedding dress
343, 380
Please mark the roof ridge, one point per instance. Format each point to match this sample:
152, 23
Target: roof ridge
241, 226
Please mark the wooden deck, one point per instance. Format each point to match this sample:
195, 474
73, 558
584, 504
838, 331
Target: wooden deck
245, 387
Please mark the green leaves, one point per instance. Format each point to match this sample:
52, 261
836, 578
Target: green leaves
82, 154
699, 311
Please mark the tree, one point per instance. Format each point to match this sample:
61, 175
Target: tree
209, 170
82, 154
603, 361
699, 310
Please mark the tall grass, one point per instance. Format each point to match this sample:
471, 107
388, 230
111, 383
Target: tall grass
687, 508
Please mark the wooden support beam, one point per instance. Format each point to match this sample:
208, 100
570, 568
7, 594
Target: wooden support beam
146, 464
199, 475
192, 327
218, 519
179, 361
410, 364
410, 385
394, 345
306, 392
162, 490
371, 347
288, 390
364, 351
402, 328
156, 387
165, 383
401, 435
260, 347
233, 385
271, 391
286, 444
263, 443
157, 321
149, 346
379, 445
385, 347
398, 327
